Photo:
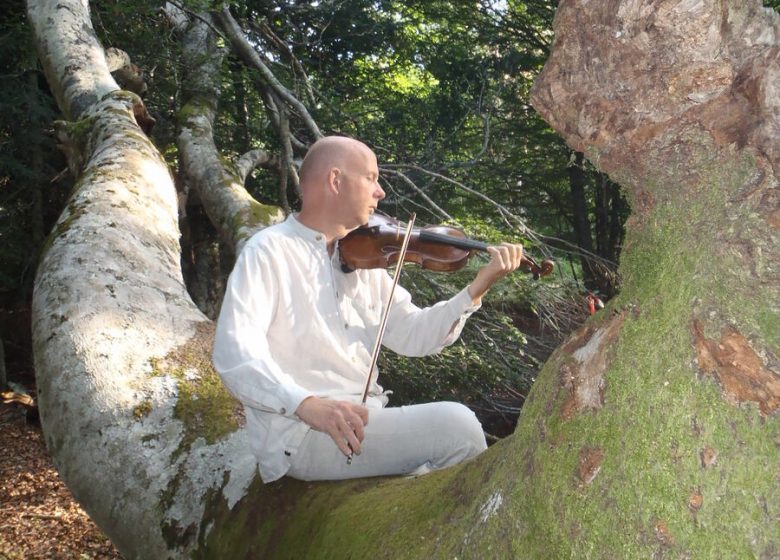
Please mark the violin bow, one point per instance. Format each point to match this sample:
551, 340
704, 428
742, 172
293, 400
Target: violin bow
380, 335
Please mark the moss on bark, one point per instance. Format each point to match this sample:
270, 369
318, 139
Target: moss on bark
684, 472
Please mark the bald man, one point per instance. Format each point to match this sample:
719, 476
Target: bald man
295, 335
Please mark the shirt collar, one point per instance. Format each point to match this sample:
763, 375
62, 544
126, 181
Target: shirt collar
311, 235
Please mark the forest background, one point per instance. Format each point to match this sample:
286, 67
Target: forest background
438, 89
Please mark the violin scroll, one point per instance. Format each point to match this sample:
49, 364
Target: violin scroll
538, 271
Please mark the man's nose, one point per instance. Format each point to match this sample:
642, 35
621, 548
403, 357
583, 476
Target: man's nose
380, 192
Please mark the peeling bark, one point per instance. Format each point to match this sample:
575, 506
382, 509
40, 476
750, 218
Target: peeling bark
738, 368
590, 464
582, 376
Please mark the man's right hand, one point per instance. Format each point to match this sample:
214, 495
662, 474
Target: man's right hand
342, 420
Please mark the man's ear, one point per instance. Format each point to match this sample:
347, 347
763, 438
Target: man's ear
334, 180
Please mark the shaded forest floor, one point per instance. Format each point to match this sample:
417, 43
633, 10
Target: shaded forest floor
39, 519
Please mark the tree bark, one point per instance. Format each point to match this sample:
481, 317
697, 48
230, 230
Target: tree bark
241, 110
665, 406
651, 432
219, 183
119, 368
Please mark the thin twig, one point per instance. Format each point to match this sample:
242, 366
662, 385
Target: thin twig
418, 190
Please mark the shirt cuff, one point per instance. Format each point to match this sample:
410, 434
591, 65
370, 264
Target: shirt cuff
461, 303
289, 398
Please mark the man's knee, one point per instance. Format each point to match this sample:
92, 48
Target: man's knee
462, 424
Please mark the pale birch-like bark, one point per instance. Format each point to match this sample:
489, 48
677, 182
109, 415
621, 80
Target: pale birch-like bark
229, 206
109, 302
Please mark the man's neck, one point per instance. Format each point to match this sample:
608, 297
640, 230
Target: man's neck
325, 226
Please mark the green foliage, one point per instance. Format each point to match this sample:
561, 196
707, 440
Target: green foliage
491, 367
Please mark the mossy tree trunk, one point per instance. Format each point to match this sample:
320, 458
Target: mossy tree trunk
219, 183
210, 184
652, 432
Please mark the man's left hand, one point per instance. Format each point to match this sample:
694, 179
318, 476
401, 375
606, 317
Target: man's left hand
505, 258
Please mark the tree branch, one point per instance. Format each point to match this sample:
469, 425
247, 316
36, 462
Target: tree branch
250, 160
248, 54
264, 29
416, 189
223, 197
205, 20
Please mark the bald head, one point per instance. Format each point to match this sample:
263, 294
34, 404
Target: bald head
340, 188
327, 153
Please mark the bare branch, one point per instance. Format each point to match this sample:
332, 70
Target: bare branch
388, 187
264, 29
503, 210
190, 13
284, 167
287, 154
418, 190
248, 161
247, 53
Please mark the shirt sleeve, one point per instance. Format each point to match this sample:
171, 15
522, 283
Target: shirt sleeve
241, 355
415, 331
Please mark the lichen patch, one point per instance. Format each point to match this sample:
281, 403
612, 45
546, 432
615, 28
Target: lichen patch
737, 367
490, 507
204, 404
583, 375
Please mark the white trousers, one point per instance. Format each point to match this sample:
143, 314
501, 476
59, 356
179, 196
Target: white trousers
398, 440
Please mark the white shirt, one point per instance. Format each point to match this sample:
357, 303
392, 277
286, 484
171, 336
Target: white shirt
293, 325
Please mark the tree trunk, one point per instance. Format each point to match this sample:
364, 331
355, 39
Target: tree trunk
219, 183
616, 231
662, 411
581, 218
243, 139
128, 403
579, 205
651, 433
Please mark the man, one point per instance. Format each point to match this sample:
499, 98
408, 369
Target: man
295, 335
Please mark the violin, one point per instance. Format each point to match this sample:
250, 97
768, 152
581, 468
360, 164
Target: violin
439, 248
